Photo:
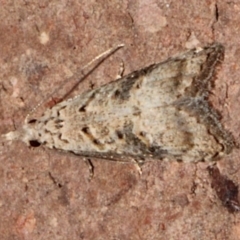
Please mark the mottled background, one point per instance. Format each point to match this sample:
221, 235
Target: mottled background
47, 194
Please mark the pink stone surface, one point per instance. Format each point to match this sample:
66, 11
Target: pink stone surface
47, 194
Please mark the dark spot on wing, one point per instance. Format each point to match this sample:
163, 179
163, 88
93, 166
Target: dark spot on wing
32, 121
63, 140
119, 134
82, 108
85, 130
96, 142
34, 143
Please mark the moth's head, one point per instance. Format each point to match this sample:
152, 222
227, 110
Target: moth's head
27, 134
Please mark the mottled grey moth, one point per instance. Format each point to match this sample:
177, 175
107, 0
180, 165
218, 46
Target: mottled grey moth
161, 111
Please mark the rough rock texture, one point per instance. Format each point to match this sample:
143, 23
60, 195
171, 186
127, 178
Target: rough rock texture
47, 194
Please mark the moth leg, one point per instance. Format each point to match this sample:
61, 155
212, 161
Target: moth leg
90, 167
120, 71
138, 163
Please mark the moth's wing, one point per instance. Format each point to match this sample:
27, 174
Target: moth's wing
159, 111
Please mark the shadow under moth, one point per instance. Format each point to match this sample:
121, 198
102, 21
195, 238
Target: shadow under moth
161, 111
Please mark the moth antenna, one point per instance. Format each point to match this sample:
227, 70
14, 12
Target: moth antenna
105, 54
101, 57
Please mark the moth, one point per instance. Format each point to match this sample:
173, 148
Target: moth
159, 112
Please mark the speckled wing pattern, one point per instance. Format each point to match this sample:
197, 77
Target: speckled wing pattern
161, 111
